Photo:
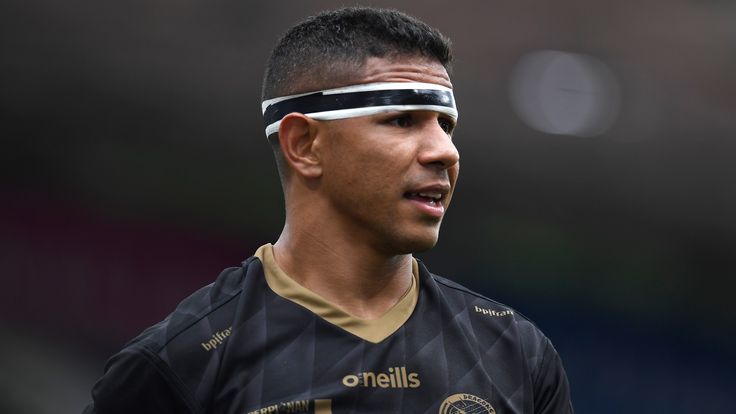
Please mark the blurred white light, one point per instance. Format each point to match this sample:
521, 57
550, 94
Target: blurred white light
564, 93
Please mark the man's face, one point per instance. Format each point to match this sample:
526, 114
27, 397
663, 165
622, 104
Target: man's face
389, 177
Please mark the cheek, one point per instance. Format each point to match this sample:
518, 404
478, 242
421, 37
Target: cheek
366, 167
370, 177
366, 186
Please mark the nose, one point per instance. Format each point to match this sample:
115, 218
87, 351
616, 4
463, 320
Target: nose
437, 148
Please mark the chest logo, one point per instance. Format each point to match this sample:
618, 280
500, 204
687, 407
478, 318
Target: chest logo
465, 403
396, 377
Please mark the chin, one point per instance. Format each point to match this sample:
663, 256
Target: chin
423, 247
415, 243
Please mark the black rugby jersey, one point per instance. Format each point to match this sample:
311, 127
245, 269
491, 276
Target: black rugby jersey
238, 346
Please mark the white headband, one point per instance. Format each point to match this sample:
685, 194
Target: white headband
360, 100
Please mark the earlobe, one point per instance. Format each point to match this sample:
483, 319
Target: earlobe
297, 134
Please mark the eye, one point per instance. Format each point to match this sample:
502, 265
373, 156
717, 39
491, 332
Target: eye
401, 121
446, 124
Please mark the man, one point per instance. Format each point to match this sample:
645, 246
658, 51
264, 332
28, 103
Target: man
336, 316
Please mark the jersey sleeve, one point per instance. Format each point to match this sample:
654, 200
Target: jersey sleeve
135, 381
551, 388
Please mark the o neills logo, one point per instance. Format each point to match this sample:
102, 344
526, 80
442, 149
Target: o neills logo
396, 377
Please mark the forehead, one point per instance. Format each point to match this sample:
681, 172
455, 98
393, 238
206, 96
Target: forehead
378, 85
404, 69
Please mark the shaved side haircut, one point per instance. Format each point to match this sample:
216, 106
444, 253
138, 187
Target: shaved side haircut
326, 50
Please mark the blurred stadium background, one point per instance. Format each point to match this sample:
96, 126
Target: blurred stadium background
597, 193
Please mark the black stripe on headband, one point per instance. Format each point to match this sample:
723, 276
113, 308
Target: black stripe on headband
320, 102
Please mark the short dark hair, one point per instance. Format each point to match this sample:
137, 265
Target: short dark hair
325, 50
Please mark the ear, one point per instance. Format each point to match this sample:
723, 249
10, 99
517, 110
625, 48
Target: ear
297, 134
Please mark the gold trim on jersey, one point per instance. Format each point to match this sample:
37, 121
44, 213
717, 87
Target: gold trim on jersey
371, 330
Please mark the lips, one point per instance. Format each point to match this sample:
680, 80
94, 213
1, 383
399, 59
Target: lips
428, 199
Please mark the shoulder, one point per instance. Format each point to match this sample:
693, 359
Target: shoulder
489, 320
166, 362
483, 306
204, 309
191, 336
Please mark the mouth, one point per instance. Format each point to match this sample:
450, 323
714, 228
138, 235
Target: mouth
429, 197
429, 200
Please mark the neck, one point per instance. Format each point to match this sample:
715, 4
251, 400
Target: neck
346, 272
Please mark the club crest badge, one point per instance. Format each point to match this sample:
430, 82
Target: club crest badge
465, 403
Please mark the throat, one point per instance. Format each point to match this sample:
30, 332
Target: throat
363, 288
